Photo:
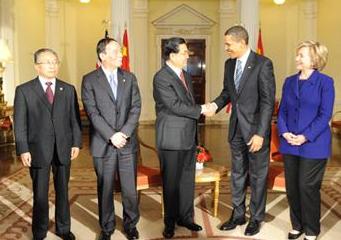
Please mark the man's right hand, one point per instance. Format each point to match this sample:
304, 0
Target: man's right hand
26, 159
119, 139
209, 109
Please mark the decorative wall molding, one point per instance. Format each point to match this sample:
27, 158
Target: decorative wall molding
174, 19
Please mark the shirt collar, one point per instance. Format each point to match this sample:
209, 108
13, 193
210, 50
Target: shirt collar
108, 72
44, 80
175, 69
245, 56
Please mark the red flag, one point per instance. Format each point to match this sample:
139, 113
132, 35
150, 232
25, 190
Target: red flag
260, 49
125, 52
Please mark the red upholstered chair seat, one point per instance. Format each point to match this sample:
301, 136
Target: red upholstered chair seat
147, 177
276, 179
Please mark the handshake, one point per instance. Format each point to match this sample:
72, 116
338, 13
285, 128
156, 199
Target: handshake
209, 109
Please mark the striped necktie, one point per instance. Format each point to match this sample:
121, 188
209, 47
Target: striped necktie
238, 74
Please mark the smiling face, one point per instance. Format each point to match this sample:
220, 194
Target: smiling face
233, 47
47, 65
303, 59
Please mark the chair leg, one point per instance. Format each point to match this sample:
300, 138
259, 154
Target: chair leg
162, 207
216, 198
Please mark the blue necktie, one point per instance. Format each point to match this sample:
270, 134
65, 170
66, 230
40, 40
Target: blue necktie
238, 74
113, 84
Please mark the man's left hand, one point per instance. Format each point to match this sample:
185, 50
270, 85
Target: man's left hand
255, 143
74, 152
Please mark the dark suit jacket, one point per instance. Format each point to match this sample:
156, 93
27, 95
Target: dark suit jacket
252, 105
109, 115
307, 112
40, 126
176, 111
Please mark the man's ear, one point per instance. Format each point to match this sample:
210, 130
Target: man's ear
101, 56
36, 67
171, 56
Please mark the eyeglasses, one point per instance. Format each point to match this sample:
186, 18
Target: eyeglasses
54, 63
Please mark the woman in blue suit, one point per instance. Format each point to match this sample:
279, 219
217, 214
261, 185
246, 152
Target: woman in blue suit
305, 138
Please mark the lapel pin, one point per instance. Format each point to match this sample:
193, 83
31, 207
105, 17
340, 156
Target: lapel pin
61, 89
124, 80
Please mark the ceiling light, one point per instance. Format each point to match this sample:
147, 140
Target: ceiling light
279, 2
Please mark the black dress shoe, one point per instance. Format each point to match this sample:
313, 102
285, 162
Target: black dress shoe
168, 232
308, 239
190, 226
104, 236
67, 236
132, 233
252, 228
294, 235
232, 224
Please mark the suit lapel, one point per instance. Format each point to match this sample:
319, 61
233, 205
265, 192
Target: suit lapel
230, 75
121, 82
103, 81
178, 82
308, 85
294, 85
190, 92
58, 95
250, 63
38, 89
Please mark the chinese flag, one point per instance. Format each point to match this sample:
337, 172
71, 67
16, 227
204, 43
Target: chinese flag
260, 49
125, 52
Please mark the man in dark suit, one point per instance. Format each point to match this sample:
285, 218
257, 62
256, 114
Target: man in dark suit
176, 132
48, 134
250, 86
112, 101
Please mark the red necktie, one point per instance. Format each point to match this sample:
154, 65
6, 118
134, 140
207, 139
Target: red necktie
49, 93
182, 78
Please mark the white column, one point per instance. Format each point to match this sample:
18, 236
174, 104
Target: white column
120, 15
308, 20
7, 22
228, 16
54, 25
139, 56
249, 17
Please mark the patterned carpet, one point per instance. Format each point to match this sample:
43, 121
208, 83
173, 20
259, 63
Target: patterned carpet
16, 210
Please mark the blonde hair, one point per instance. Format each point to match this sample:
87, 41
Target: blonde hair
318, 53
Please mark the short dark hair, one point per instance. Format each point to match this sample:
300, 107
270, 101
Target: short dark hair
172, 46
41, 51
101, 45
239, 33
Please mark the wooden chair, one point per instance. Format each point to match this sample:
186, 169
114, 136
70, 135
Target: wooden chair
147, 176
276, 176
336, 122
6, 130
